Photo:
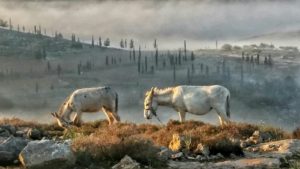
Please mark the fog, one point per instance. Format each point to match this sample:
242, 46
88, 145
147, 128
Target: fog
199, 22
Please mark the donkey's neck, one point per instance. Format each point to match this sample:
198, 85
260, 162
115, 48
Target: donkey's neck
64, 111
164, 97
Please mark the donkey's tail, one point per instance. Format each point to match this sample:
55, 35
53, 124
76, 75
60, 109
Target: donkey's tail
228, 106
116, 103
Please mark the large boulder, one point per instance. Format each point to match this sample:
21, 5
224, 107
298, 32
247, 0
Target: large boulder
34, 134
275, 149
202, 149
257, 163
47, 154
127, 163
10, 149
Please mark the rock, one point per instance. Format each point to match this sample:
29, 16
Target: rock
12, 129
6, 157
177, 155
177, 143
202, 149
277, 149
220, 156
10, 149
127, 163
4, 132
257, 163
34, 134
47, 154
165, 154
20, 133
185, 165
255, 138
233, 156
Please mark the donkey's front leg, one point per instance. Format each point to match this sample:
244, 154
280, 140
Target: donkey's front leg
182, 116
77, 119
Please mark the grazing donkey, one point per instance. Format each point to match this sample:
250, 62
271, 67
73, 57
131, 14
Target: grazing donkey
198, 100
88, 100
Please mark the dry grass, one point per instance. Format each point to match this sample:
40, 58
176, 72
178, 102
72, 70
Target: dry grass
97, 142
296, 133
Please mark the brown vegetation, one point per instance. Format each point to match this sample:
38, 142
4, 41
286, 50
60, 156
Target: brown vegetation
296, 133
98, 142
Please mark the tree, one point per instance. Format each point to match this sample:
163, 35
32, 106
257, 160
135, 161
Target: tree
107, 42
185, 57
155, 44
100, 42
146, 63
3, 23
227, 47
10, 24
139, 60
35, 30
79, 68
156, 57
131, 45
122, 43
93, 43
106, 61
188, 76
48, 66
192, 56
133, 54
73, 38
174, 73
58, 69
179, 56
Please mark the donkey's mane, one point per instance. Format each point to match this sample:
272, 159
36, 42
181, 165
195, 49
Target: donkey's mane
163, 91
61, 107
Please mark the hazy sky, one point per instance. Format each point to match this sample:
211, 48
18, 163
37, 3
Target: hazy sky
168, 21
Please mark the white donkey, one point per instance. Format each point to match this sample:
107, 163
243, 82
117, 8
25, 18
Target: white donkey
88, 100
198, 100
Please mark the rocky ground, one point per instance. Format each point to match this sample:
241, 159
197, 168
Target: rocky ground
29, 145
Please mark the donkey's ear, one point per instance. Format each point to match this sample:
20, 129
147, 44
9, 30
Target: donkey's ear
152, 90
54, 114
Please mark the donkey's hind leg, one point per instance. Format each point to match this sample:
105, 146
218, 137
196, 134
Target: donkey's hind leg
224, 120
115, 116
108, 116
182, 116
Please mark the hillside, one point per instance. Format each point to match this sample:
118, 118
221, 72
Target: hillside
17, 43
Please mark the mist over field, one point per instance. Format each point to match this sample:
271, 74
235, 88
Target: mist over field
261, 93
199, 22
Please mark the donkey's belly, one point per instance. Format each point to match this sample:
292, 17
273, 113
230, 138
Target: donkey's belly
198, 108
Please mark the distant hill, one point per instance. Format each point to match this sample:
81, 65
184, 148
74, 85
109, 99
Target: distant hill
289, 35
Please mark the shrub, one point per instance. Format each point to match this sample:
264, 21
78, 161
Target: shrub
110, 149
296, 133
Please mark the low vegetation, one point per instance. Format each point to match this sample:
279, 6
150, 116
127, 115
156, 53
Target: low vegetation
98, 143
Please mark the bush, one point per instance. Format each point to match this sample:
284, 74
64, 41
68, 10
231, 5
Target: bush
227, 47
109, 149
296, 133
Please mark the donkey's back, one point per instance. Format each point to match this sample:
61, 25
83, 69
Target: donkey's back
94, 98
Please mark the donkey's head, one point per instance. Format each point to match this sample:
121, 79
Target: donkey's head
61, 121
150, 105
